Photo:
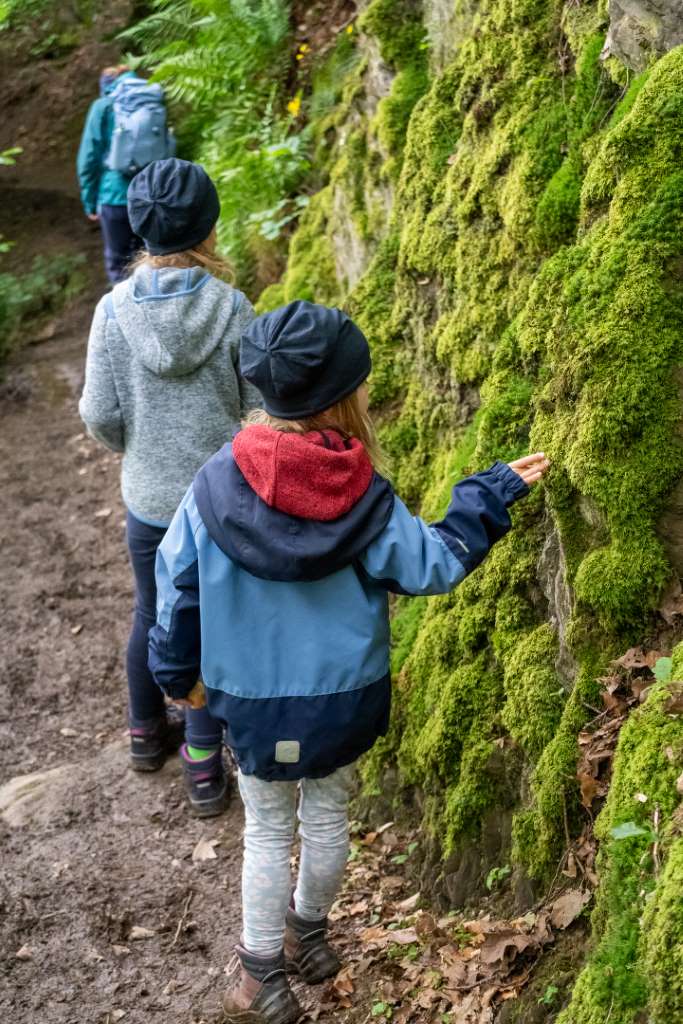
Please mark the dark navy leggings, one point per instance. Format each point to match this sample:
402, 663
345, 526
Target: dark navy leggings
145, 698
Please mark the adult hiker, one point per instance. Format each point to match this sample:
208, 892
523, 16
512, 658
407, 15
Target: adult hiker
284, 550
125, 130
163, 386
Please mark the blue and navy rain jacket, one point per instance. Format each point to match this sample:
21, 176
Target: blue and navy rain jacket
286, 617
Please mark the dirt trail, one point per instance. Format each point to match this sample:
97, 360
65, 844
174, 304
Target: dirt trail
89, 849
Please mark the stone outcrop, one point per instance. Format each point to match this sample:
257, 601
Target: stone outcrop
642, 30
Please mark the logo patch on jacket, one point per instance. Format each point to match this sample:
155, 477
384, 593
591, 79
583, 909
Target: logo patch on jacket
287, 751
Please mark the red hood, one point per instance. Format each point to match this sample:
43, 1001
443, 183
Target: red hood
313, 476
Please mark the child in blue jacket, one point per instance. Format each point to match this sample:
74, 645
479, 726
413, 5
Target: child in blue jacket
273, 583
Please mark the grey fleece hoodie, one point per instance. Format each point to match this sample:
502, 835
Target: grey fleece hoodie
162, 381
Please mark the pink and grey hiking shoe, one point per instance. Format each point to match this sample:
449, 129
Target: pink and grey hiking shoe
152, 741
207, 783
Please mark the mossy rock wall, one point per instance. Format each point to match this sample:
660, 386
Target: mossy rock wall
523, 289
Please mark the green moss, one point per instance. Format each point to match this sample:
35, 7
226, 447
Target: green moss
615, 980
534, 694
397, 27
662, 941
526, 293
311, 271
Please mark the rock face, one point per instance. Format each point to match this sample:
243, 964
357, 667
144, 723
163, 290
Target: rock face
447, 24
552, 577
641, 30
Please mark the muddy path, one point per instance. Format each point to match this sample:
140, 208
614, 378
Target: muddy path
90, 850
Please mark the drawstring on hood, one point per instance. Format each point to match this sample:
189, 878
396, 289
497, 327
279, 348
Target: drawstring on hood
173, 317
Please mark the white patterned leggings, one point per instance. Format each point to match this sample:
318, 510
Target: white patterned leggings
270, 820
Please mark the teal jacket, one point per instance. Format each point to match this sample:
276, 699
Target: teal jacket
98, 184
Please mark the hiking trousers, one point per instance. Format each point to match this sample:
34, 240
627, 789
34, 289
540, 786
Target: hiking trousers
270, 811
145, 699
120, 241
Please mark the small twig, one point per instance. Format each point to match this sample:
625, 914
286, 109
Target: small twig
183, 916
655, 848
53, 913
611, 1007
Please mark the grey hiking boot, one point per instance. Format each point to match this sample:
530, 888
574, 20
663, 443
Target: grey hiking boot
307, 951
259, 992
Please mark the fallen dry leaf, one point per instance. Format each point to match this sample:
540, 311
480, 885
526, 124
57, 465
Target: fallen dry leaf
403, 936
567, 907
427, 996
405, 906
102, 513
679, 784
590, 788
25, 953
204, 850
136, 933
77, 629
571, 870
391, 882
504, 946
638, 657
120, 950
66, 731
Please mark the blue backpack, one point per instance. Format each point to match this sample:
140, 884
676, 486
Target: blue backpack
141, 133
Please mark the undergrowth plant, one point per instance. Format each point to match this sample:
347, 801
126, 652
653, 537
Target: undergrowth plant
224, 65
50, 282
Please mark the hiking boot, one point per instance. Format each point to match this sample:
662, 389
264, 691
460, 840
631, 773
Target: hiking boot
307, 951
259, 992
206, 784
152, 741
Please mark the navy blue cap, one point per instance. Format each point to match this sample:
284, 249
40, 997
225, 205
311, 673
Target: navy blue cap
172, 205
304, 358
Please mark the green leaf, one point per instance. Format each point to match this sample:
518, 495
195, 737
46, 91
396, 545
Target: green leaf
629, 830
662, 669
549, 995
378, 1009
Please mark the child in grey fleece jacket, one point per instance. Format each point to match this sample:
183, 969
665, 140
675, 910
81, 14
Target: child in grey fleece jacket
162, 386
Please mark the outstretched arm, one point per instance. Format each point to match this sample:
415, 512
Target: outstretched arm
412, 557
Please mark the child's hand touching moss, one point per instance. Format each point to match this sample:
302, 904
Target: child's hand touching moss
531, 468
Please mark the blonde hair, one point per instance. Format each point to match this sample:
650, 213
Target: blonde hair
202, 255
346, 417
